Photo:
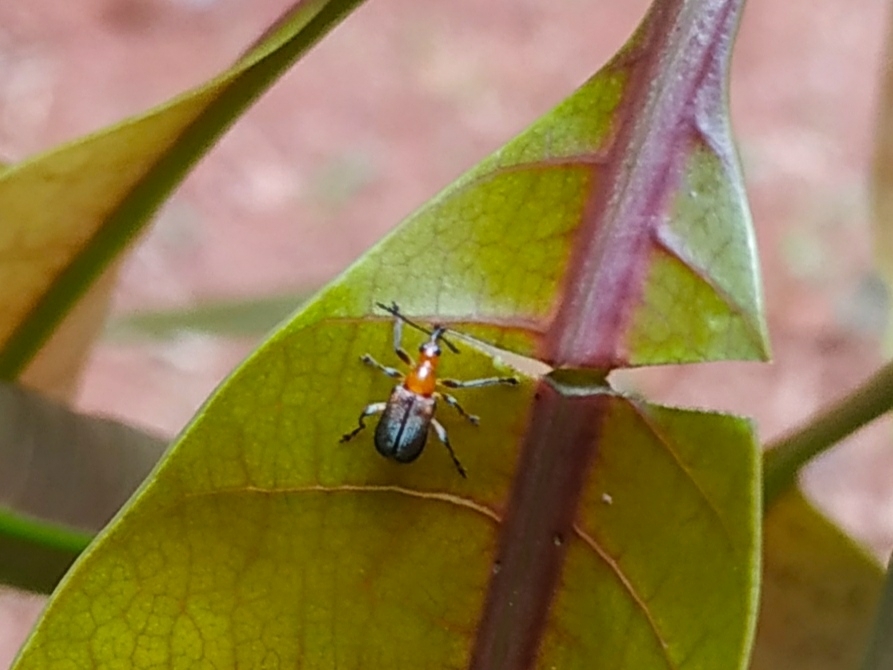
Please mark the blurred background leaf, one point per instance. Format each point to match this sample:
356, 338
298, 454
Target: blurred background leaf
819, 592
880, 649
68, 214
250, 317
63, 476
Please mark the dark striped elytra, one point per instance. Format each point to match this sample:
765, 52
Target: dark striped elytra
402, 431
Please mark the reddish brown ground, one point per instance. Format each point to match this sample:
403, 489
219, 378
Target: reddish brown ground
397, 102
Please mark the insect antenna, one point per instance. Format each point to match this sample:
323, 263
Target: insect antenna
437, 333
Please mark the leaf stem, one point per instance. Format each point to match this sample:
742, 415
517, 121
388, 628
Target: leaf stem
785, 456
35, 554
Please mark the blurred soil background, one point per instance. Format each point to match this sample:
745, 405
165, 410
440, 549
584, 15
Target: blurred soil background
400, 100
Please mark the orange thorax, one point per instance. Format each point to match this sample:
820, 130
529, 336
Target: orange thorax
422, 379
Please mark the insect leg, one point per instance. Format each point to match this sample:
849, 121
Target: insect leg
442, 436
374, 408
390, 372
452, 402
478, 383
398, 338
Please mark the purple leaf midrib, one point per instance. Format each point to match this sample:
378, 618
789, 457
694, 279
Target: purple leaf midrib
604, 277
657, 115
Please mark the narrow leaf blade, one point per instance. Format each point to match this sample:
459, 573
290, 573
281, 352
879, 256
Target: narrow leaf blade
68, 213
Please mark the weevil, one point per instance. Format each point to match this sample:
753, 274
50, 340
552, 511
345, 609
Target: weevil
408, 415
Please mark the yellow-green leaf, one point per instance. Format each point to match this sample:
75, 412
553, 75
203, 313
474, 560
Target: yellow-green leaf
260, 537
56, 369
819, 592
614, 232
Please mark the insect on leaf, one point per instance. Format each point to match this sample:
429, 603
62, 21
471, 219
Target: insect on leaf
595, 530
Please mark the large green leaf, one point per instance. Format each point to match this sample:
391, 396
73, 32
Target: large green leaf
260, 537
594, 530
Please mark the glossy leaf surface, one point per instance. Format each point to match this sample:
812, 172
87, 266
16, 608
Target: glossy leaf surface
613, 232
263, 534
